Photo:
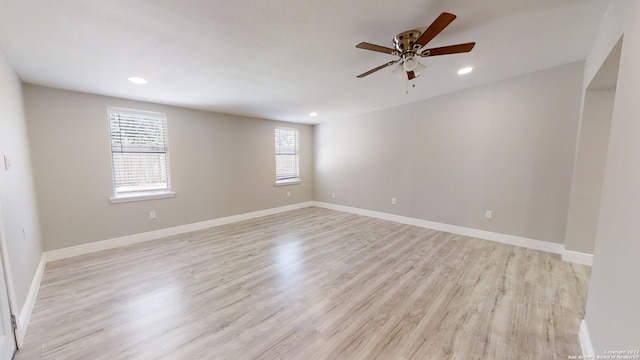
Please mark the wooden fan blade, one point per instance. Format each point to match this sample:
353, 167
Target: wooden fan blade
377, 68
451, 49
378, 48
435, 28
411, 75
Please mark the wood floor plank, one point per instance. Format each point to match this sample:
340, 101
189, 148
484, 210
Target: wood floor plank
309, 284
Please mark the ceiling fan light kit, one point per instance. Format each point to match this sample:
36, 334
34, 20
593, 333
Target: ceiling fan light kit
410, 64
407, 46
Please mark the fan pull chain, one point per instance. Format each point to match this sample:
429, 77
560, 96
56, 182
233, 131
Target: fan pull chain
413, 85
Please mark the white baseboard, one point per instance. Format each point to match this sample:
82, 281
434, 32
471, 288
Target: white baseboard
585, 341
567, 255
454, 229
24, 317
64, 253
577, 257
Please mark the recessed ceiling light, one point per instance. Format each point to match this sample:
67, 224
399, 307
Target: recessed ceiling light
313, 114
137, 80
465, 70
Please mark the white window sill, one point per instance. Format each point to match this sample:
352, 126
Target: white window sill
141, 196
287, 182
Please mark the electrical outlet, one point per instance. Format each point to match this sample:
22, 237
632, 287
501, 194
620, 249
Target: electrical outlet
393, 201
152, 214
333, 195
488, 214
288, 193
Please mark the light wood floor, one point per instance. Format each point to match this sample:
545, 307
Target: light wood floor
310, 284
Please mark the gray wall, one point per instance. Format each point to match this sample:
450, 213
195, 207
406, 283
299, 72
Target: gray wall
612, 314
507, 147
221, 165
17, 195
589, 169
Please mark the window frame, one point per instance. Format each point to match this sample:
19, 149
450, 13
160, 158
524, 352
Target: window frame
143, 194
293, 180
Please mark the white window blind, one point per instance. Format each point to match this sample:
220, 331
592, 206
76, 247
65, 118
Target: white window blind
287, 154
139, 151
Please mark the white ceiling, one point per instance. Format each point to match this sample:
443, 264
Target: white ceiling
281, 59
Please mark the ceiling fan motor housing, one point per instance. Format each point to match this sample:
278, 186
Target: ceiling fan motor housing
405, 43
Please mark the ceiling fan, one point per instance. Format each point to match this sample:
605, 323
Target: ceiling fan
408, 45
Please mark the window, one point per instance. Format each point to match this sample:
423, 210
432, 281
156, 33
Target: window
287, 169
139, 154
